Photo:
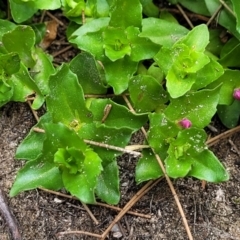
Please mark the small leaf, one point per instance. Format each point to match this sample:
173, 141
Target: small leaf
66, 101
147, 167
197, 39
207, 167
37, 173
6, 26
21, 40
236, 8
162, 32
146, 93
10, 63
108, 183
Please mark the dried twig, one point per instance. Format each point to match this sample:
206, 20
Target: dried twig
185, 16
219, 137
78, 232
9, 218
214, 15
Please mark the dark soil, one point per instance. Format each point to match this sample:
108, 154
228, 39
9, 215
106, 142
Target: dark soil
212, 213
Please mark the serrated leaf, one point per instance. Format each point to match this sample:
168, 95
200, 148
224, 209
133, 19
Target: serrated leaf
21, 40
37, 173
199, 107
31, 147
119, 73
162, 32
66, 100
207, 167
146, 93
118, 116
125, 13
147, 167
90, 76
108, 183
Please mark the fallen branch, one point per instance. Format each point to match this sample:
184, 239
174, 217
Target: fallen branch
9, 218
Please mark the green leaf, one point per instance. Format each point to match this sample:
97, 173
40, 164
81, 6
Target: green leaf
206, 75
149, 8
147, 167
10, 63
236, 8
225, 19
199, 107
21, 40
118, 116
162, 32
42, 70
119, 73
83, 184
6, 26
146, 93
197, 39
197, 6
141, 48
228, 81
161, 130
207, 167
125, 13
37, 173
116, 44
66, 101
22, 11
108, 183
89, 37
89, 73
31, 147
107, 135
229, 114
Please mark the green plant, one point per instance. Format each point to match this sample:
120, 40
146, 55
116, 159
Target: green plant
75, 145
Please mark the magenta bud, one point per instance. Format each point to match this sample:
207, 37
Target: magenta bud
185, 123
236, 93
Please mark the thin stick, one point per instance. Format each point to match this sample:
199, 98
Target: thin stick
219, 137
168, 181
104, 145
132, 201
97, 203
98, 144
33, 111
55, 54
214, 15
54, 18
90, 213
9, 218
185, 16
79, 232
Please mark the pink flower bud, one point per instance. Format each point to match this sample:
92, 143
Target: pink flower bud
236, 93
185, 123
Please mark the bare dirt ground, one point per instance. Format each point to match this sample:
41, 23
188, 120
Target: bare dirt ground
212, 213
